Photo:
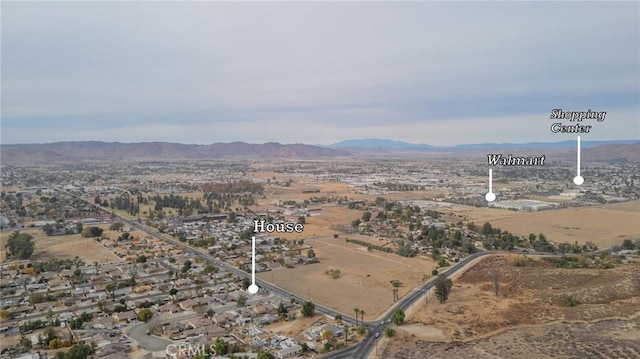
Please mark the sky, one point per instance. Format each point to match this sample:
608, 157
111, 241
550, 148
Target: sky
438, 73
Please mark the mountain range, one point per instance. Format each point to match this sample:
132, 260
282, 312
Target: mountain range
628, 150
392, 144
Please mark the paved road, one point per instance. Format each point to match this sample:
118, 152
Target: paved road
152, 343
364, 348
359, 351
236, 271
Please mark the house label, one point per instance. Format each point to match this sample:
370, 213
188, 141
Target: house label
289, 227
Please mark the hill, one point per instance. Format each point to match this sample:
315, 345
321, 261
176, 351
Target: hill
95, 150
378, 143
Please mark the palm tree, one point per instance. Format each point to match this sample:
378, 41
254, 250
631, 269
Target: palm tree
362, 316
357, 311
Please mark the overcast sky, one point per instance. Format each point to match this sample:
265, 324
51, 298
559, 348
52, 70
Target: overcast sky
422, 72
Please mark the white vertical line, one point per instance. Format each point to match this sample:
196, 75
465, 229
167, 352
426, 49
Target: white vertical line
490, 180
253, 260
578, 156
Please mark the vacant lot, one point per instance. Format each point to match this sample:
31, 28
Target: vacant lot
604, 225
69, 246
530, 317
324, 223
365, 277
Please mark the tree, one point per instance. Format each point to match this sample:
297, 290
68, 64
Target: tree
282, 311
5, 314
117, 226
76, 323
357, 310
265, 355
111, 288
20, 245
145, 315
221, 347
79, 351
628, 244
173, 291
302, 220
311, 253
390, 332
48, 229
186, 266
89, 232
242, 300
210, 313
366, 216
246, 282
338, 318
308, 309
141, 259
396, 284
398, 317
443, 288
487, 229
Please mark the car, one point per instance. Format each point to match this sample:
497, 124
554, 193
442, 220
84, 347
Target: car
377, 335
382, 322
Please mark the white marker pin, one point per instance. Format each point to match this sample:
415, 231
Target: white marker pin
253, 288
578, 179
490, 196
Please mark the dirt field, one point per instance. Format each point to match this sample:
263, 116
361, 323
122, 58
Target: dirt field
364, 281
69, 246
604, 225
324, 223
529, 318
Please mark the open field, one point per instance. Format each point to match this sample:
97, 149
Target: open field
529, 318
324, 223
69, 246
364, 280
604, 225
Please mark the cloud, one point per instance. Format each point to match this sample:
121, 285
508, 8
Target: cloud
328, 70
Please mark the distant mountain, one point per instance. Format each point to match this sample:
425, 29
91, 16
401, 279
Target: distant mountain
539, 145
378, 143
95, 150
385, 144
613, 152
627, 150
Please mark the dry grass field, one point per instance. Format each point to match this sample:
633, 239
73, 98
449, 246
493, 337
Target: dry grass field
69, 246
365, 277
529, 318
605, 225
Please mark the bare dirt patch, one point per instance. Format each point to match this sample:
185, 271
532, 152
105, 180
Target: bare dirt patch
325, 222
530, 318
365, 277
584, 224
70, 246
